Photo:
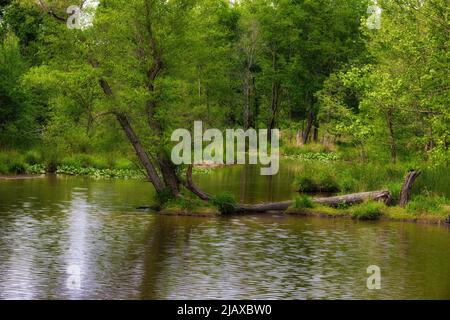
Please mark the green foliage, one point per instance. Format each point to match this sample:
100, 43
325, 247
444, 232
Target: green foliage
12, 163
321, 181
98, 173
433, 180
36, 169
122, 163
370, 210
16, 110
381, 95
32, 157
303, 154
427, 203
162, 198
3, 168
394, 103
225, 202
302, 202
350, 177
343, 205
395, 189
190, 205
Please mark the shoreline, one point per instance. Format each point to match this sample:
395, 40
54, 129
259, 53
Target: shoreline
332, 213
390, 213
318, 213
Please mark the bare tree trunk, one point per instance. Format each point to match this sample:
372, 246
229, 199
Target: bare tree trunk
169, 175
405, 194
316, 134
308, 127
274, 108
255, 112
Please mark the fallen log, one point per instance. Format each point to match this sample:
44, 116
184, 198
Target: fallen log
353, 198
262, 207
383, 195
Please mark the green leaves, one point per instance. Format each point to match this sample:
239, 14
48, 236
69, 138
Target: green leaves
225, 202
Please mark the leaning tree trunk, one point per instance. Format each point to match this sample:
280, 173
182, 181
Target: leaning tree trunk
405, 194
140, 152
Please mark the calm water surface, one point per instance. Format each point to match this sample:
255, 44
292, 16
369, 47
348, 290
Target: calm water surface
50, 224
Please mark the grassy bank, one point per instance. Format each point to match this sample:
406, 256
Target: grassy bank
419, 209
340, 171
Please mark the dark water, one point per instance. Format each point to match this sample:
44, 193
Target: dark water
50, 226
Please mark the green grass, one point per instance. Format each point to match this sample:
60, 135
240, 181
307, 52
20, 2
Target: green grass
422, 204
350, 177
320, 181
290, 149
370, 210
302, 202
225, 202
188, 205
12, 162
433, 180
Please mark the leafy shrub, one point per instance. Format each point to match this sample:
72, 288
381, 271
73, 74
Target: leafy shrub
3, 168
11, 163
123, 163
99, 162
305, 184
32, 158
78, 160
189, 204
370, 210
302, 202
347, 183
17, 167
343, 205
163, 197
311, 149
327, 183
224, 202
395, 189
321, 182
435, 180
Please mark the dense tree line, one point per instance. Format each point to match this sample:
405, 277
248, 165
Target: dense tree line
146, 67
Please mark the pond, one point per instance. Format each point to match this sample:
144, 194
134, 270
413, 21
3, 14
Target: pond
51, 226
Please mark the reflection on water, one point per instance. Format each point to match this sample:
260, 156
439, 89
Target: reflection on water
249, 186
50, 224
